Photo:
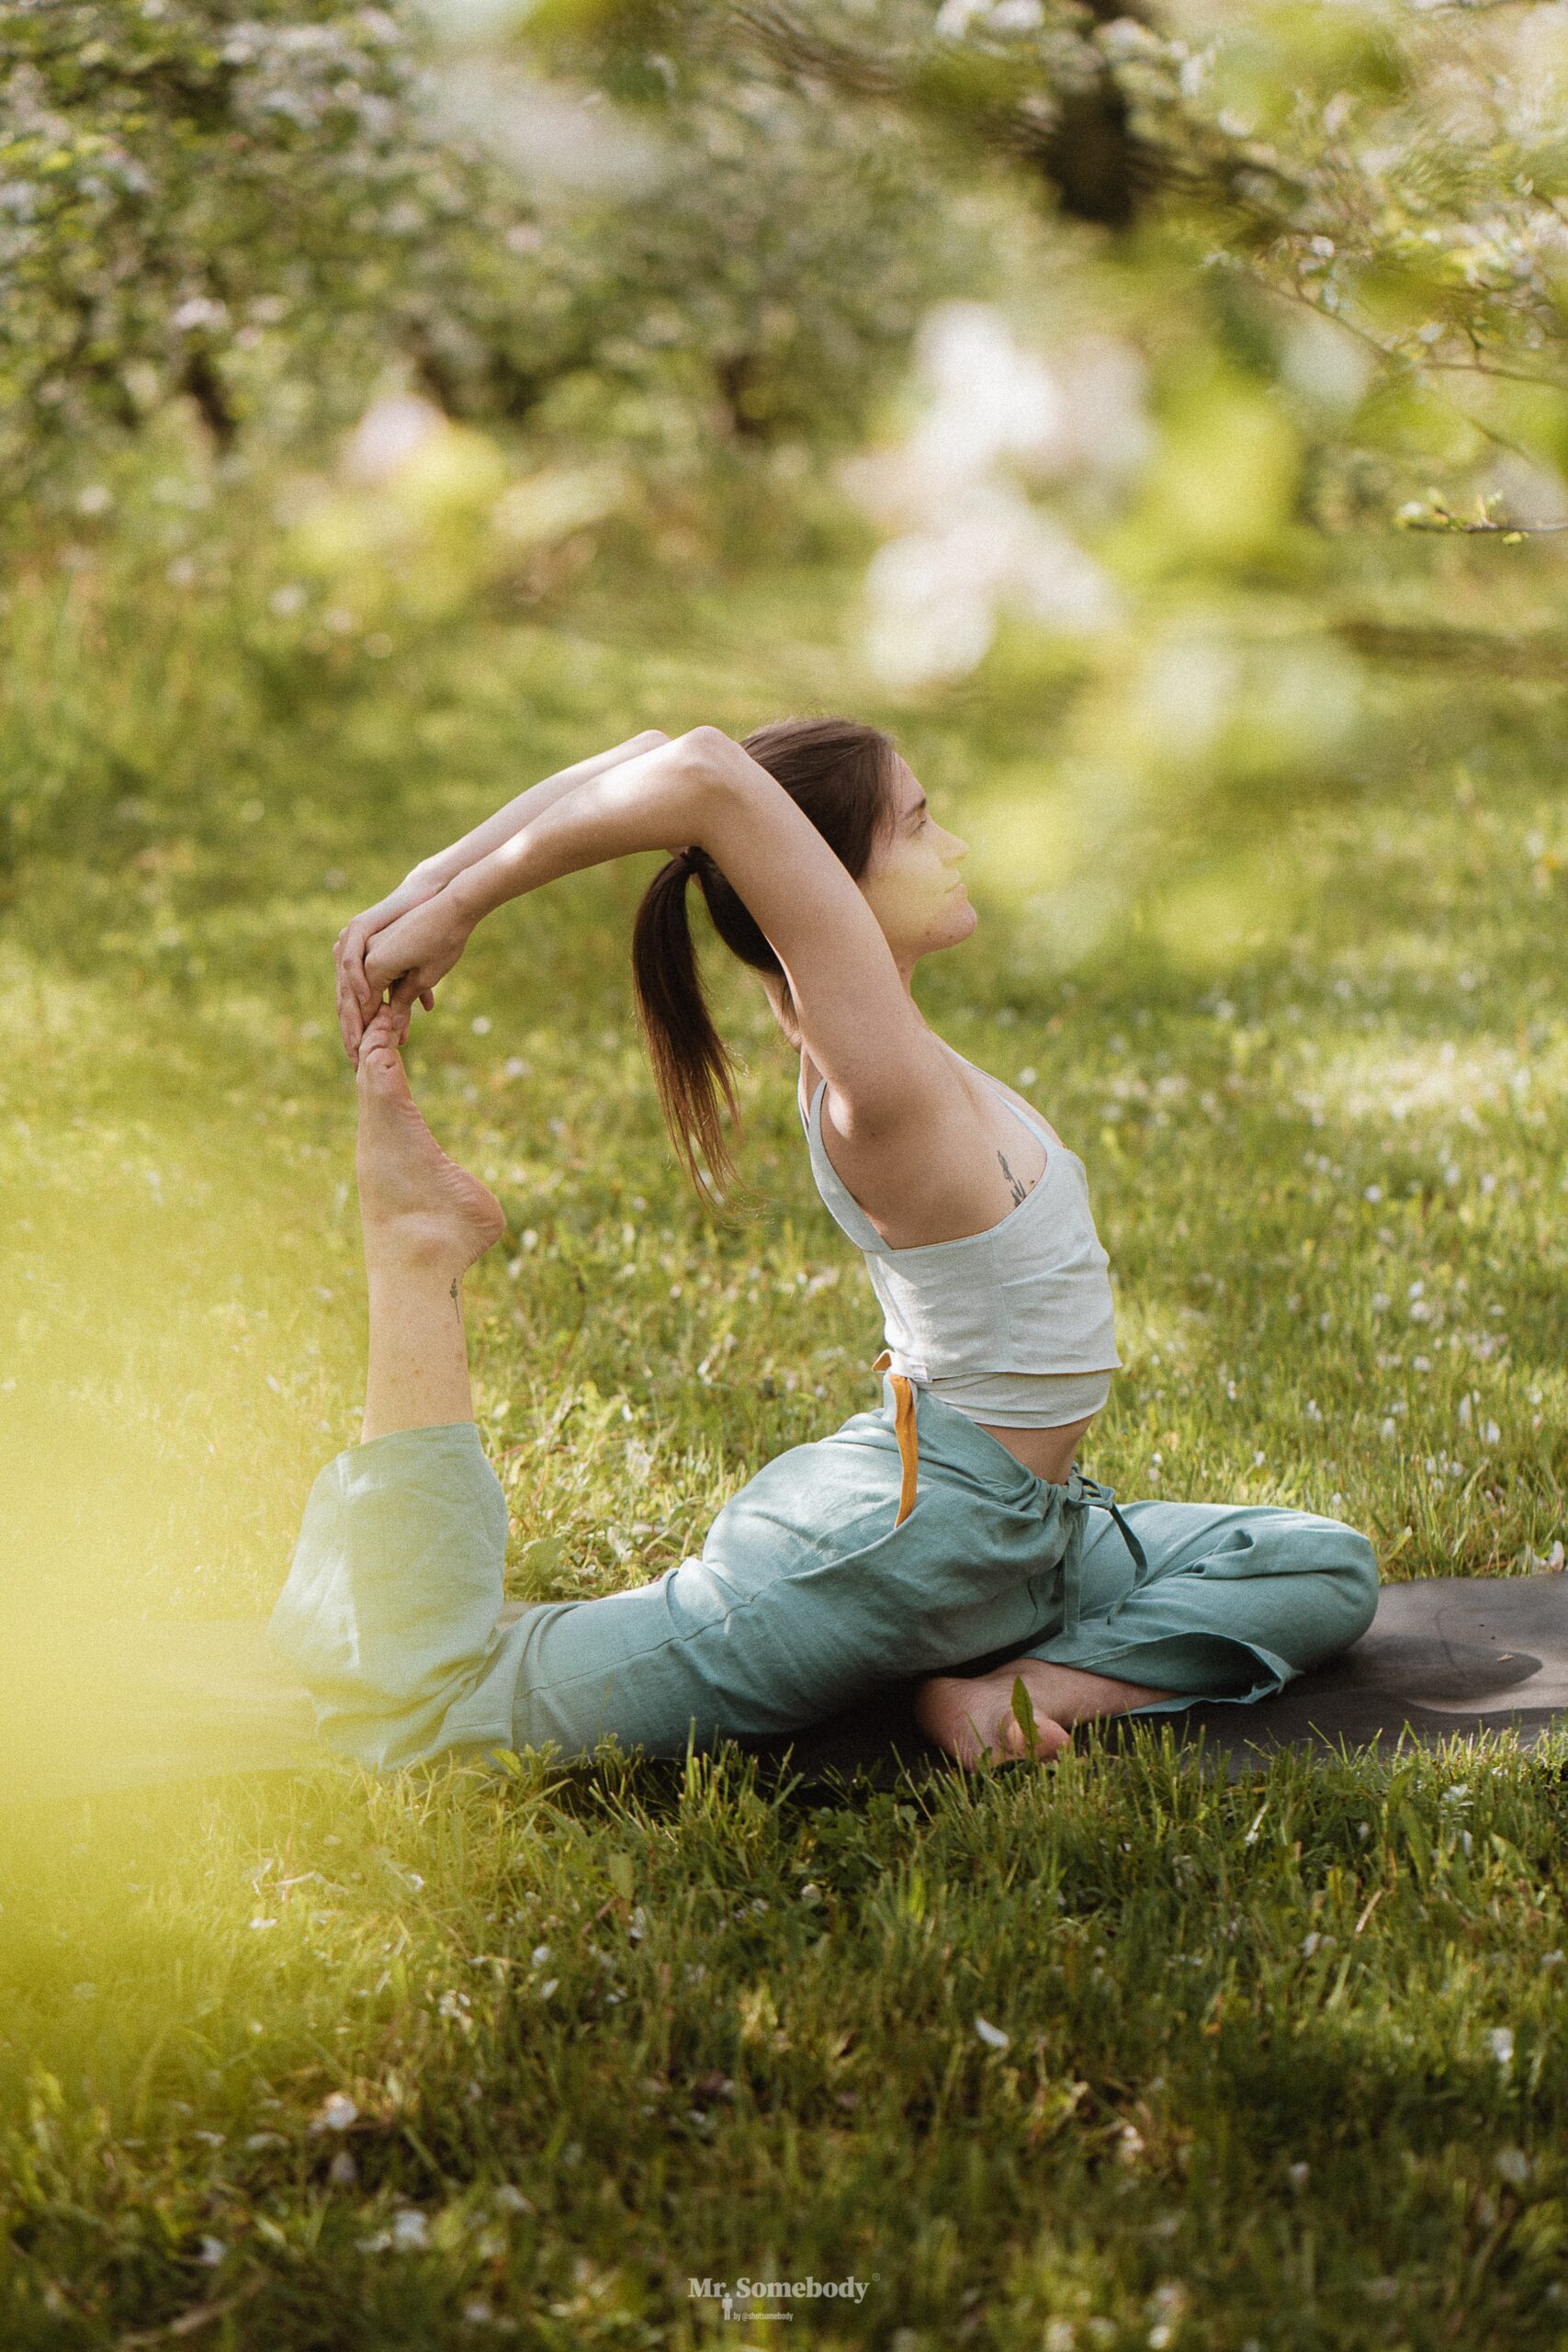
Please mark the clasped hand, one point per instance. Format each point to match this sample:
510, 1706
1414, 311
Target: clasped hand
413, 937
403, 946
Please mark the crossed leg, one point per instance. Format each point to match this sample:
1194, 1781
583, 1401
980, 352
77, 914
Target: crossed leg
975, 1717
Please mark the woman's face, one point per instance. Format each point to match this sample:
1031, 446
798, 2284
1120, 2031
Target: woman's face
912, 885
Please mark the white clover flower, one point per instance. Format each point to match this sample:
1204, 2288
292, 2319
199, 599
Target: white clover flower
336, 2113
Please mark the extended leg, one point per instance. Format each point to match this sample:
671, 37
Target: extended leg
391, 1609
425, 1221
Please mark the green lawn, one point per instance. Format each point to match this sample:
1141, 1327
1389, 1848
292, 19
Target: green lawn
307, 2061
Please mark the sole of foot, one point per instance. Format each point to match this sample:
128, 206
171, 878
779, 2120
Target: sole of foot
974, 1721
417, 1205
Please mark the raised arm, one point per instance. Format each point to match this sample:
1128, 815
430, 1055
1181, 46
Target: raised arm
661, 799
884, 1070
665, 798
530, 806
355, 998
886, 1073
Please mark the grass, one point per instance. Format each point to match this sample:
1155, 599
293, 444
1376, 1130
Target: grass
1106, 2056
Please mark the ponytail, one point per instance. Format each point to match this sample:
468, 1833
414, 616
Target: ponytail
691, 1066
840, 774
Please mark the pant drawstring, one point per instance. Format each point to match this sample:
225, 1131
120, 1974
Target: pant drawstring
1104, 1499
1083, 1495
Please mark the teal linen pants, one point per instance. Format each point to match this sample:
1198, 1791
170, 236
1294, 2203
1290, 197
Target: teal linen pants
805, 1596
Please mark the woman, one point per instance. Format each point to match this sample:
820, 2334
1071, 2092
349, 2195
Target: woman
947, 1536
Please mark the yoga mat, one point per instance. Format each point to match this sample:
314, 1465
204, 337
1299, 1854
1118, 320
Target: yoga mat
1444, 1657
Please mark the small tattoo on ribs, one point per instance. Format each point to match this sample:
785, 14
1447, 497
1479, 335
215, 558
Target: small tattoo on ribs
1020, 1191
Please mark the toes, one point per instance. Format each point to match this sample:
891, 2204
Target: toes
377, 1046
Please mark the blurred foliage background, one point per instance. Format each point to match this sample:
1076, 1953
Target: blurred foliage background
1198, 371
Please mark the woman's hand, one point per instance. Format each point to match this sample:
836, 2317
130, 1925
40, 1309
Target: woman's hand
356, 1003
411, 954
355, 1000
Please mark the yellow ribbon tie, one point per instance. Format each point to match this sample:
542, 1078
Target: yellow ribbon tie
908, 1436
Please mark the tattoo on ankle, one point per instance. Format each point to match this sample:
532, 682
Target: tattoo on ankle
1019, 1191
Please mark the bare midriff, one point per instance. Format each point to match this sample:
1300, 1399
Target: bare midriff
1048, 1453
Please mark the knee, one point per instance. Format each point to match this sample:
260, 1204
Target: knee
1358, 1581
1349, 1565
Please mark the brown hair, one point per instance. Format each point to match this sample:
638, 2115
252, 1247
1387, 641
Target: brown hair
840, 774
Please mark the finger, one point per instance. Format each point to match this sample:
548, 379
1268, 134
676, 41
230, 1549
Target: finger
341, 1008
354, 967
350, 1012
427, 998
353, 1000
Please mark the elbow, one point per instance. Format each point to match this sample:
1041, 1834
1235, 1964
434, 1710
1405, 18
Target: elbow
713, 777
709, 755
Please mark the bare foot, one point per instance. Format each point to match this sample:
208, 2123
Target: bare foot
416, 1204
971, 1718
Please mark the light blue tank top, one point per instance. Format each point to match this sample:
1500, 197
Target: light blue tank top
1015, 1325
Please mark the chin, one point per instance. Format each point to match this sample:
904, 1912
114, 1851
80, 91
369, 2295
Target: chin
954, 933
